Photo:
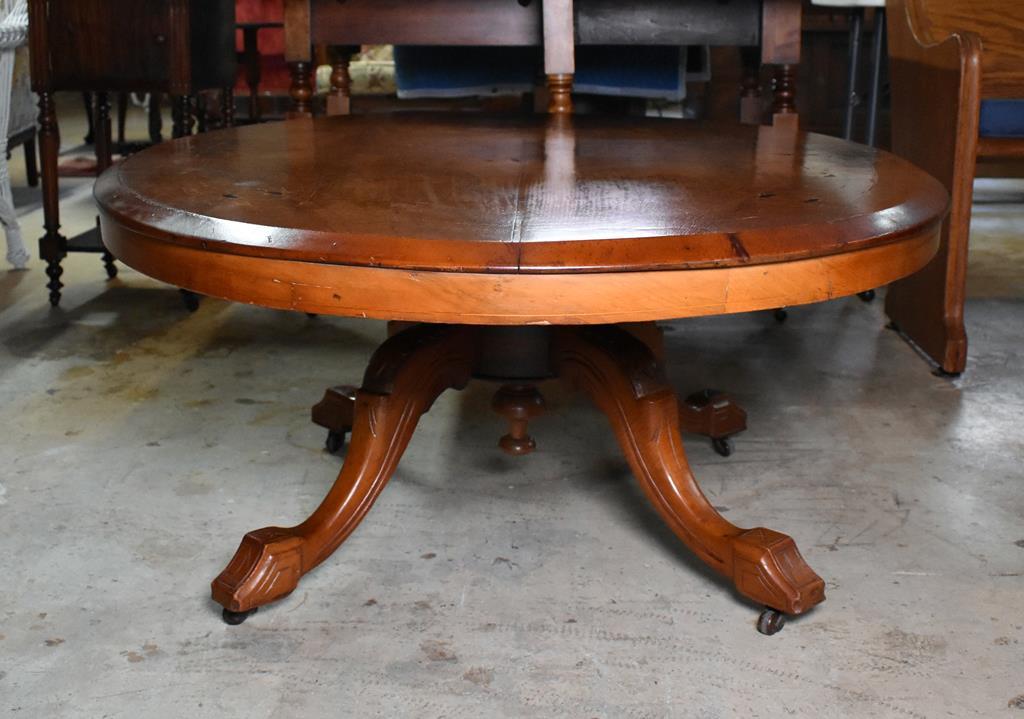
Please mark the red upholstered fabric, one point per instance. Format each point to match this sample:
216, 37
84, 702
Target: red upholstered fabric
274, 69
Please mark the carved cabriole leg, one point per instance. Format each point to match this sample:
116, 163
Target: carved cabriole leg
405, 376
52, 245
625, 381
301, 90
709, 412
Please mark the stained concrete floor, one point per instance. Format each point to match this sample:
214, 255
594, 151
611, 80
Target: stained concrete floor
141, 443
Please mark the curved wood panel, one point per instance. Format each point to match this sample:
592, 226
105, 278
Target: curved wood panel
515, 299
999, 24
520, 194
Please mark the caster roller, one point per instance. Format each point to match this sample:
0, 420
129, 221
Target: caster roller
771, 622
312, 315
722, 445
335, 441
236, 618
866, 296
191, 300
781, 316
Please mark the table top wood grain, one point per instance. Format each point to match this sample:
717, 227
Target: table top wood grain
520, 196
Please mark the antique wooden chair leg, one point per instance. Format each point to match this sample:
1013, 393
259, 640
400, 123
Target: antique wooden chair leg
628, 384
405, 376
301, 90
339, 101
53, 246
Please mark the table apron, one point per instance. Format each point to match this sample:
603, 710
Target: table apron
518, 299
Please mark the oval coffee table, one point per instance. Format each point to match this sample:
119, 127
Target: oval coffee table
518, 250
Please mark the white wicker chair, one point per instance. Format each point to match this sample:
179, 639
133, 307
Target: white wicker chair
13, 33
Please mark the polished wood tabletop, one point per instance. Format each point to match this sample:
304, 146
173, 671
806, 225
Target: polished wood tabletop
553, 202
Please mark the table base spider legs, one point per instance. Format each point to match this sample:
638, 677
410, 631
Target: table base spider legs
625, 380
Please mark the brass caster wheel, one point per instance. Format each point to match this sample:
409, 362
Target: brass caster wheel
236, 618
771, 622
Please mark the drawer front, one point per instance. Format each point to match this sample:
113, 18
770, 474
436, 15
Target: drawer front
110, 44
426, 22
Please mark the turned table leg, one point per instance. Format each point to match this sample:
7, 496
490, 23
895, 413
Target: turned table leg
53, 246
405, 376
627, 383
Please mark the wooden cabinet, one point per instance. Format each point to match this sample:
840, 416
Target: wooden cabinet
174, 47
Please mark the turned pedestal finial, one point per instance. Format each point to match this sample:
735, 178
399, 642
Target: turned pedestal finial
519, 404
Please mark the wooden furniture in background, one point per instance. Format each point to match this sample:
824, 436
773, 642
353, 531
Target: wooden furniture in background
534, 233
176, 47
855, 9
773, 25
251, 60
946, 57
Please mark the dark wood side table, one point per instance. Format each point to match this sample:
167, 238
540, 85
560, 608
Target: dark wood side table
174, 47
523, 249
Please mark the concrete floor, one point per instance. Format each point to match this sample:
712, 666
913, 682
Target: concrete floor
142, 442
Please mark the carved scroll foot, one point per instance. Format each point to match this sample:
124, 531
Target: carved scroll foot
628, 384
405, 376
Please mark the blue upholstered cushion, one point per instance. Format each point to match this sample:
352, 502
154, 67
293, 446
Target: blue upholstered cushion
464, 71
630, 71
1002, 118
